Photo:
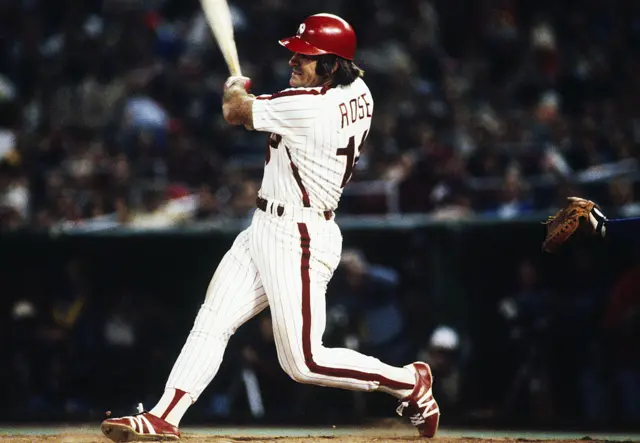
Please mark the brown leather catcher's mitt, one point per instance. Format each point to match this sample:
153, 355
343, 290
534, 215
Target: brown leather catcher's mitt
578, 214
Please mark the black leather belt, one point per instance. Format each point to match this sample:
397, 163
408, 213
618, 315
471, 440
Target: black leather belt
263, 204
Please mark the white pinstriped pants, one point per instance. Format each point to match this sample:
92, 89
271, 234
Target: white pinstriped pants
284, 262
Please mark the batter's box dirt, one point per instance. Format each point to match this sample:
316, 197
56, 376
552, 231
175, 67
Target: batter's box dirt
92, 438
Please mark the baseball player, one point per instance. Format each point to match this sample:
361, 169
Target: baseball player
284, 260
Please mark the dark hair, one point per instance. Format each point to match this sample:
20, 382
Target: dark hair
346, 73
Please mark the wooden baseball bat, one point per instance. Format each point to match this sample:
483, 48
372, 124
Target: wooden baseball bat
219, 19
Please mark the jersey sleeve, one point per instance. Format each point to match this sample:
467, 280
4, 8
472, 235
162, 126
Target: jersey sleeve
286, 113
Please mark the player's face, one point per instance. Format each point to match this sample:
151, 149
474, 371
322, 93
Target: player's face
304, 72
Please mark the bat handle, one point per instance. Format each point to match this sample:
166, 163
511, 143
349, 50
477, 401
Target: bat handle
235, 71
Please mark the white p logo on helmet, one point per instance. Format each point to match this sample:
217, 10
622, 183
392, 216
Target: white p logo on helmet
301, 28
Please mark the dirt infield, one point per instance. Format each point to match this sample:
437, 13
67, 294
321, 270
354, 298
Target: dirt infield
390, 431
92, 438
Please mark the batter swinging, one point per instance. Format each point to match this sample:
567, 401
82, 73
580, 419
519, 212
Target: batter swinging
289, 253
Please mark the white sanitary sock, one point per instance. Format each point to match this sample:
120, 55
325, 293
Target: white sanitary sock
172, 406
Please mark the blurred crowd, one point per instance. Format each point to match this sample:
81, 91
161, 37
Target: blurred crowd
110, 109
570, 347
535, 349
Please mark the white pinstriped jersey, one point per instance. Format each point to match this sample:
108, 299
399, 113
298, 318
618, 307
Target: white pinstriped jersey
314, 141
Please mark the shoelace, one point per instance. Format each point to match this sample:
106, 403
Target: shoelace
418, 418
401, 406
140, 412
415, 419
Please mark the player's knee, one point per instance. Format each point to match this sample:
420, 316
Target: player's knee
300, 374
208, 326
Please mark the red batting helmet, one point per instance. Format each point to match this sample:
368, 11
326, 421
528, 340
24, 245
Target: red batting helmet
323, 34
